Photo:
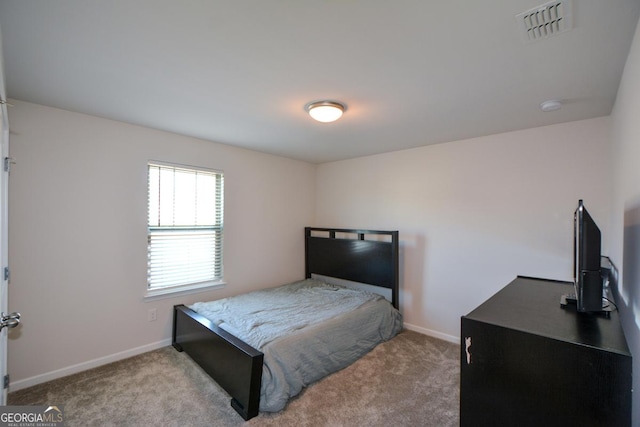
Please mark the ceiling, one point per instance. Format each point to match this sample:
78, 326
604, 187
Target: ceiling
412, 73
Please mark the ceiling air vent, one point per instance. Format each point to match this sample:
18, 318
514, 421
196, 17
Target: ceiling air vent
545, 20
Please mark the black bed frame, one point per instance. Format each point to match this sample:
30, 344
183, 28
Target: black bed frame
350, 254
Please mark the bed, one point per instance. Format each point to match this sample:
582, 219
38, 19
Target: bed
335, 260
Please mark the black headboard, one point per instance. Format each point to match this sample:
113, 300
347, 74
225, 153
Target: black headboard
363, 256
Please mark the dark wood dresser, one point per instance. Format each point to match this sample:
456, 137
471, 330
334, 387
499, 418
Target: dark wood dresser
525, 361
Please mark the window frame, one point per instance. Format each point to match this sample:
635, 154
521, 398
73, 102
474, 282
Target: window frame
168, 291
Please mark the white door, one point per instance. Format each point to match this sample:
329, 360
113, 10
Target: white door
6, 321
4, 177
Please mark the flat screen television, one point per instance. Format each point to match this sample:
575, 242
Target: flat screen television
587, 275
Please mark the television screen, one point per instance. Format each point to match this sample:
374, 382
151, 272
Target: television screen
587, 273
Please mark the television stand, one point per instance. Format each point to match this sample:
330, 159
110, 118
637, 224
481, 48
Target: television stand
525, 361
571, 299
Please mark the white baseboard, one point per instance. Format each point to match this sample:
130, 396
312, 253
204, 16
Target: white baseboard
432, 333
74, 369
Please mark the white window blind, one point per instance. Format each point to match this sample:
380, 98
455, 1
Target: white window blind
185, 226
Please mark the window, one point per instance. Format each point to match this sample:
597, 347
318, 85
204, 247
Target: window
185, 228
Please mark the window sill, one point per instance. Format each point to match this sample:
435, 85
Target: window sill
157, 294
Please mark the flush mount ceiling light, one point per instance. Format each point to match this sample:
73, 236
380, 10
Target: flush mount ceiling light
551, 105
325, 111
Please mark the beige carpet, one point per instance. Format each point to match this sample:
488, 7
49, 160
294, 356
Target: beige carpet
412, 380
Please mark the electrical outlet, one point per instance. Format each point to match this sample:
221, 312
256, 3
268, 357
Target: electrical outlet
152, 315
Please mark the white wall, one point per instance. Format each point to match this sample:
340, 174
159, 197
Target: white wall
77, 253
474, 214
625, 236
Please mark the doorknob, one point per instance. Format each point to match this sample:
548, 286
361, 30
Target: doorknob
9, 320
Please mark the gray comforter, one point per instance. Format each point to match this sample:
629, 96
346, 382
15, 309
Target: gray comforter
306, 331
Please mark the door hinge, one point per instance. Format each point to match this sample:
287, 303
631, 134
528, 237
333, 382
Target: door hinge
7, 273
8, 161
6, 381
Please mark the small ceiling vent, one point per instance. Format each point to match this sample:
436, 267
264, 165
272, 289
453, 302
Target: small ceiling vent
545, 20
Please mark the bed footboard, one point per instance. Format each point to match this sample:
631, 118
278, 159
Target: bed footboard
233, 364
